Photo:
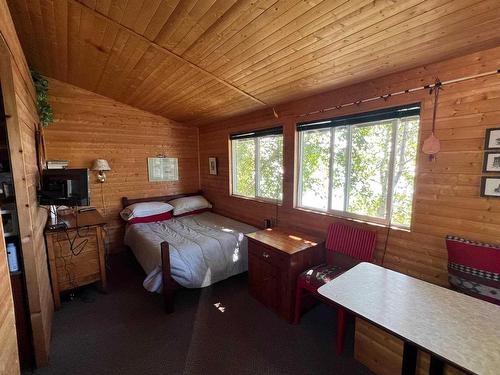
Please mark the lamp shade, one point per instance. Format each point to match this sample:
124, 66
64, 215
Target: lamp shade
100, 165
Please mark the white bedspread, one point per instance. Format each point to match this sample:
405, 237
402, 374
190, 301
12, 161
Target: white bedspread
204, 249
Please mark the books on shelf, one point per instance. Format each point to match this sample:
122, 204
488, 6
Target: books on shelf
57, 164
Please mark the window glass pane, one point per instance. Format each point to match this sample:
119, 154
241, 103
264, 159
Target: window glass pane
370, 157
315, 168
270, 167
360, 156
339, 167
404, 171
244, 167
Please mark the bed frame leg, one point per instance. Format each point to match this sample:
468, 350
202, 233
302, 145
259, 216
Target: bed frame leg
168, 287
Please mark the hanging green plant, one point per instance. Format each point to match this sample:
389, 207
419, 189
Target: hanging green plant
42, 99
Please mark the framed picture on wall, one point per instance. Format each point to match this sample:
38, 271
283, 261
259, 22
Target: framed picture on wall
212, 166
163, 169
491, 162
492, 139
490, 186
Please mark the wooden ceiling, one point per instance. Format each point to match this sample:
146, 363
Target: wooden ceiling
198, 61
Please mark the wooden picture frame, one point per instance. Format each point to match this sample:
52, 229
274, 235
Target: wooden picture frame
491, 161
212, 166
490, 186
492, 139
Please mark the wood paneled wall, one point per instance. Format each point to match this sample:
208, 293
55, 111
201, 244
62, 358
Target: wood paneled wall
22, 123
89, 126
9, 359
446, 199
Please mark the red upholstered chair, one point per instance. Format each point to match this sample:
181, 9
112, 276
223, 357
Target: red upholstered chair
345, 247
474, 268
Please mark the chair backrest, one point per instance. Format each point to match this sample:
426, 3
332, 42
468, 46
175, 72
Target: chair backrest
352, 241
474, 268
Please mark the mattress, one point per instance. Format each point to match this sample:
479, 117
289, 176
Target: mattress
204, 249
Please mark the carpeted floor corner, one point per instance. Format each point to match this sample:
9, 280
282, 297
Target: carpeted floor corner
126, 332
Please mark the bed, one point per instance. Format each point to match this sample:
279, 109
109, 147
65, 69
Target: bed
192, 251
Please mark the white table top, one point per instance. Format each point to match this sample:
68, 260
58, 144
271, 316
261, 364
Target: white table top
461, 329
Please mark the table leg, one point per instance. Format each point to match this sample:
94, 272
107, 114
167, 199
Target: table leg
436, 366
409, 366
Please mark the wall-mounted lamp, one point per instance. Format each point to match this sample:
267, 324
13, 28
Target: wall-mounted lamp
101, 165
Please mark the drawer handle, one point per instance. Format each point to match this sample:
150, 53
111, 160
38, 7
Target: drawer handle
265, 255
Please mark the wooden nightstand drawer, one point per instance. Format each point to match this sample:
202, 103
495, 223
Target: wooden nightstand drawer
264, 282
266, 254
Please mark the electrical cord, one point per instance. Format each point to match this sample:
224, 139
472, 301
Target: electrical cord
78, 248
387, 239
74, 250
106, 248
386, 243
69, 275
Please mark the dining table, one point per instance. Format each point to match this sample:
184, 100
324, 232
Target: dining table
452, 327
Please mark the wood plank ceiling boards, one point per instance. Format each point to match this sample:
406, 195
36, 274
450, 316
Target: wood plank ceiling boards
201, 61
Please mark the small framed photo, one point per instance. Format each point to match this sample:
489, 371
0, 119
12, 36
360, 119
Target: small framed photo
212, 166
492, 139
490, 186
491, 162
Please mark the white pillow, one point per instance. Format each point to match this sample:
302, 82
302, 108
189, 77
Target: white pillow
188, 204
145, 209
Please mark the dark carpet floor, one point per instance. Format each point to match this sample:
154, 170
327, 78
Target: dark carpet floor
126, 332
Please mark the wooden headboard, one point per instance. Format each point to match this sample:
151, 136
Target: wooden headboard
165, 198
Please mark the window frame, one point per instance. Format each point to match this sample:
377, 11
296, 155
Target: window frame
387, 220
234, 166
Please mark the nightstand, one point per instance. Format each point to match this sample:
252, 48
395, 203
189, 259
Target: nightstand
76, 254
275, 259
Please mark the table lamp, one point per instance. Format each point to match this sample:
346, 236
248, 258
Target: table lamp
101, 165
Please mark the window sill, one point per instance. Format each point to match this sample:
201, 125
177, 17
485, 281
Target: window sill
353, 219
260, 200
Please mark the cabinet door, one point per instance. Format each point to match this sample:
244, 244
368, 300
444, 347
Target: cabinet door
264, 282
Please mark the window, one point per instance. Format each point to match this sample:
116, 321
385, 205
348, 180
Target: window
257, 164
361, 166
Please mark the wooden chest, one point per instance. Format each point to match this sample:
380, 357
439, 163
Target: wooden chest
275, 259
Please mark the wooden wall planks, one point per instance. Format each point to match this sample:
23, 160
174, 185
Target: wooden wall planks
19, 101
89, 126
9, 359
446, 199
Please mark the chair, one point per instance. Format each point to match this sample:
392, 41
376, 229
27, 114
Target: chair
474, 268
345, 246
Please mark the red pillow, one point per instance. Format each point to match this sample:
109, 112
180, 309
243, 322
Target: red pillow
201, 210
150, 219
